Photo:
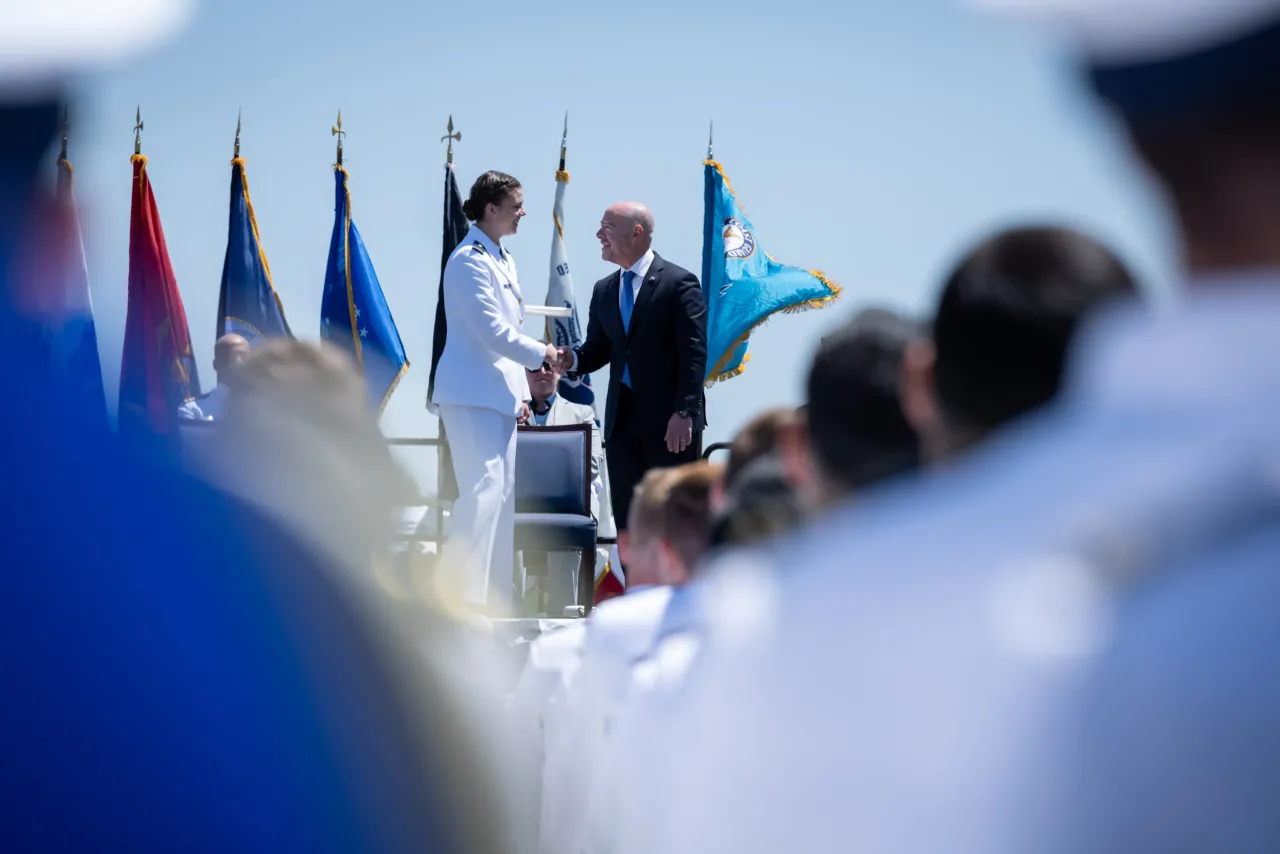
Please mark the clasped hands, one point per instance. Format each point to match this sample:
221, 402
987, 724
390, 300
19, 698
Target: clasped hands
558, 358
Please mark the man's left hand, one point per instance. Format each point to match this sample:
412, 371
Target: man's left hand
679, 434
524, 414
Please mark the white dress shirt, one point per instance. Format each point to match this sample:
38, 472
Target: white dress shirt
641, 269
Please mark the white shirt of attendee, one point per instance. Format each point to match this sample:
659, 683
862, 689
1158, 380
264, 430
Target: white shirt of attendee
578, 724
228, 353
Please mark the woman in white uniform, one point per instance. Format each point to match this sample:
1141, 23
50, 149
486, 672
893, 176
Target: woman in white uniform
481, 388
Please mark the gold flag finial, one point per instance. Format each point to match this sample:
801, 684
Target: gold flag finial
236, 153
137, 131
564, 139
451, 136
66, 122
339, 133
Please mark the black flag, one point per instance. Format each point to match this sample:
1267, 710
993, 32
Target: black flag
455, 228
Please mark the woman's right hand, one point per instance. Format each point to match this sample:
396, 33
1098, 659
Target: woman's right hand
552, 358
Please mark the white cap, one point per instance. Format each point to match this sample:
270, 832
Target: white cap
1124, 32
44, 41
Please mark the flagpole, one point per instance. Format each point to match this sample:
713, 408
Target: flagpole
66, 121
337, 131
450, 135
564, 139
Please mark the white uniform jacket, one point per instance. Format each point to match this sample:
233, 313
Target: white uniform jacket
486, 354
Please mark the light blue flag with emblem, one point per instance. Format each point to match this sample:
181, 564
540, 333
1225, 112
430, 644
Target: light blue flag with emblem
742, 284
353, 311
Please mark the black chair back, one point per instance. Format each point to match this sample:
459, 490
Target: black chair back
553, 470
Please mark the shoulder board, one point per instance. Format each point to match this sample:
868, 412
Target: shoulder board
480, 246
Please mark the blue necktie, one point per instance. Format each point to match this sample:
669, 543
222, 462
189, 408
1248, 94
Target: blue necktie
628, 304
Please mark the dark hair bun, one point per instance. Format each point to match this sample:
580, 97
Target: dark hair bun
491, 188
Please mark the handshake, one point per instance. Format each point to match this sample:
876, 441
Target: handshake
558, 358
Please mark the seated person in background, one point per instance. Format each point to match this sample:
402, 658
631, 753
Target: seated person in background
757, 498
548, 409
758, 504
854, 432
228, 353
1003, 327
758, 437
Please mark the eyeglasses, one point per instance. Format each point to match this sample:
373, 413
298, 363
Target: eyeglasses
543, 367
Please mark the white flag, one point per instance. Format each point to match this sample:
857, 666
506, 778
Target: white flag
565, 331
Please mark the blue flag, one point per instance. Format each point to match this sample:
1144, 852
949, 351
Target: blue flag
742, 284
353, 311
248, 304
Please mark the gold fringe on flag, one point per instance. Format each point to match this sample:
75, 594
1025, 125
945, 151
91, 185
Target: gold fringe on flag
253, 224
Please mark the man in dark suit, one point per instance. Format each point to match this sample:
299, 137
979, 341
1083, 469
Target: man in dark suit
648, 323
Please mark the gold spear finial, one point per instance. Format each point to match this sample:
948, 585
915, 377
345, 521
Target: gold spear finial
339, 133
564, 139
451, 136
137, 131
236, 154
66, 122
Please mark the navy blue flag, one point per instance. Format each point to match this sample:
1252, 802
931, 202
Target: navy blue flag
353, 311
248, 304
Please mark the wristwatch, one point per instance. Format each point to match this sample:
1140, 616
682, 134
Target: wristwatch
683, 413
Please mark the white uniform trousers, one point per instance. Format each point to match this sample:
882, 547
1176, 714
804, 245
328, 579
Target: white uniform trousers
481, 544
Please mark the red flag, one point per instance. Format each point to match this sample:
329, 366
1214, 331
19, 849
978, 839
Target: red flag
157, 370
610, 582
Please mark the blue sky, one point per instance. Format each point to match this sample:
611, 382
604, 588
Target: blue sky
874, 141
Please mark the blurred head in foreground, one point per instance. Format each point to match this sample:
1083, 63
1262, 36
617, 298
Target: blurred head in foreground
759, 504
229, 691
669, 525
299, 438
1003, 326
1197, 85
857, 433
